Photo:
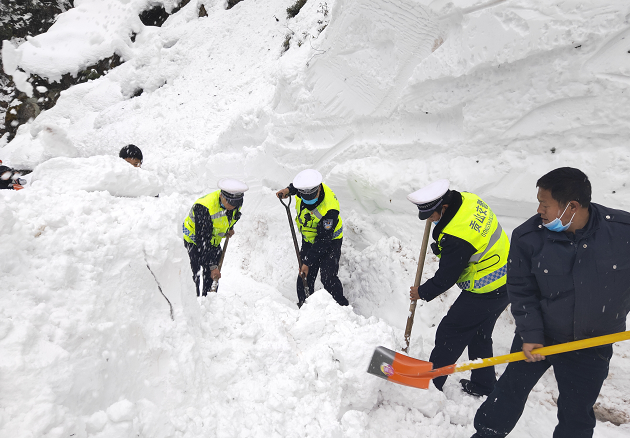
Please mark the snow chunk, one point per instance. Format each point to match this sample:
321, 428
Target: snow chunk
80, 37
121, 411
96, 422
10, 60
98, 173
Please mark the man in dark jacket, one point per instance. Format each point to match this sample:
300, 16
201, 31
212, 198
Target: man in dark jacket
473, 250
131, 154
568, 279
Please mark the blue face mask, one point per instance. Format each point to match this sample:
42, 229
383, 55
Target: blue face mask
556, 224
437, 221
309, 201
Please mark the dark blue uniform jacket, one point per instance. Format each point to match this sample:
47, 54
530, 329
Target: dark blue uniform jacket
565, 286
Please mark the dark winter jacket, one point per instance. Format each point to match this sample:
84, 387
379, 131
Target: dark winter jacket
324, 236
6, 183
567, 286
455, 255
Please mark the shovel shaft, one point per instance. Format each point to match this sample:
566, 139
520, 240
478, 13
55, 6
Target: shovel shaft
412, 306
307, 292
215, 283
545, 351
295, 243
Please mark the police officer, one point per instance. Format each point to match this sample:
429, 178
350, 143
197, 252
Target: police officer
210, 219
321, 226
473, 250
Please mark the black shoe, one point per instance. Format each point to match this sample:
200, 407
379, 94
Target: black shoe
472, 389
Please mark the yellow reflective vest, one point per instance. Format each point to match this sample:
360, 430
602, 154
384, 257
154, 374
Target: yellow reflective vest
307, 220
218, 214
475, 223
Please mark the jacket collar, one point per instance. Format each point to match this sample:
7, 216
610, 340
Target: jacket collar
454, 203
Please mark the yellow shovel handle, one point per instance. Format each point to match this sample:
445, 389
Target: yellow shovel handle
545, 351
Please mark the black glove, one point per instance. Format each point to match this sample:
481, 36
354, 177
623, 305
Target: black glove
435, 248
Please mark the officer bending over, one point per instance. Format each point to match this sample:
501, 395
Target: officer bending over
473, 250
210, 219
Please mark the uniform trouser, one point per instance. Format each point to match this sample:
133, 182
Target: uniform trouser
469, 323
328, 264
580, 375
201, 274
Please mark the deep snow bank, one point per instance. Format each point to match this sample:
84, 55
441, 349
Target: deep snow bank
97, 173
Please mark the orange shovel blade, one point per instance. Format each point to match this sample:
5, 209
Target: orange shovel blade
401, 369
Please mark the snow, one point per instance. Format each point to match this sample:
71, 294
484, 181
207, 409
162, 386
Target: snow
97, 173
388, 98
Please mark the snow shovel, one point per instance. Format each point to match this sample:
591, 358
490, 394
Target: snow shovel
412, 306
307, 292
215, 283
405, 370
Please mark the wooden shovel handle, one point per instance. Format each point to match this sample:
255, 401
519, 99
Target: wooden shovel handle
412, 306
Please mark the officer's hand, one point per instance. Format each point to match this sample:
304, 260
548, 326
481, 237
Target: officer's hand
16, 186
231, 232
527, 349
304, 271
215, 274
413, 293
283, 194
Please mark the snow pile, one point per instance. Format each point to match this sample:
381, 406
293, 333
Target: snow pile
87, 346
98, 173
91, 31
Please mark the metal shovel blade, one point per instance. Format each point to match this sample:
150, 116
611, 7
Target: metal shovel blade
401, 369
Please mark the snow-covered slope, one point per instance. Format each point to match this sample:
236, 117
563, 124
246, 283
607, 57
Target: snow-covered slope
388, 97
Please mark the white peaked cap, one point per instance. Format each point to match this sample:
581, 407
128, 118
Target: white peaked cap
430, 193
233, 186
307, 179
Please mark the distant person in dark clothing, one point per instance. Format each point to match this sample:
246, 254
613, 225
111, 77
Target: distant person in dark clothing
321, 227
132, 155
568, 279
473, 249
211, 218
10, 178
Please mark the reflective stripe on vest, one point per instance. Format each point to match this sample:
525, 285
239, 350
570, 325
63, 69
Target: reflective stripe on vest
337, 233
308, 228
477, 224
220, 223
493, 239
486, 280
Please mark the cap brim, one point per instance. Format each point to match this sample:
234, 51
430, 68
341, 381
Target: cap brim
235, 202
424, 215
308, 196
